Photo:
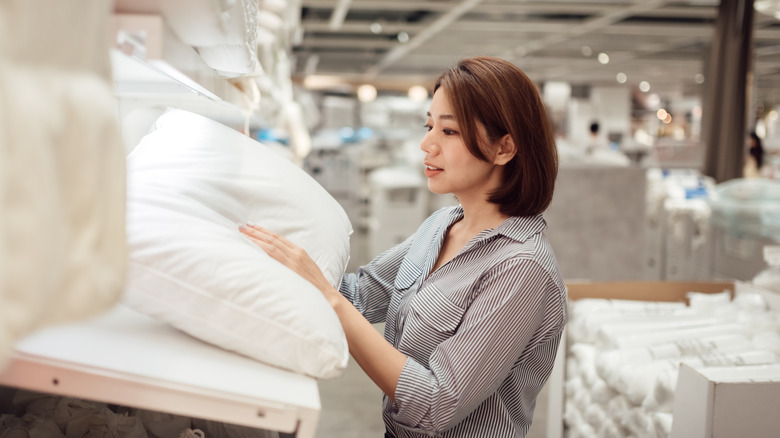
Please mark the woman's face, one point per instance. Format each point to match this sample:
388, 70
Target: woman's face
449, 165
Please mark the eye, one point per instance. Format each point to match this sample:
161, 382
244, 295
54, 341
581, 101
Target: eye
449, 131
427, 127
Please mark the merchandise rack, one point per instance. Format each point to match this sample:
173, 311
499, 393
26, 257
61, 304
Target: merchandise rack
130, 359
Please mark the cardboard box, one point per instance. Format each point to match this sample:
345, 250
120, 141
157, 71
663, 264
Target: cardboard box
645, 290
641, 291
707, 408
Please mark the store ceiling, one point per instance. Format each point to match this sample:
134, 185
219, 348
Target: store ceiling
662, 42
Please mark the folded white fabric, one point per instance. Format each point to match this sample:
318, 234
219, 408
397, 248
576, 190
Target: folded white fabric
669, 334
608, 362
161, 424
61, 410
608, 429
749, 373
640, 423
589, 315
636, 349
585, 355
595, 416
215, 429
61, 168
661, 398
662, 422
191, 183
29, 426
636, 381
601, 392
105, 424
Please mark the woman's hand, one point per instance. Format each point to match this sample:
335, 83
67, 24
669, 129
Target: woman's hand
290, 255
378, 358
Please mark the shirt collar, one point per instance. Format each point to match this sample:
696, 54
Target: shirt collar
518, 228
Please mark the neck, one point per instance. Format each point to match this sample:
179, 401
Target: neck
481, 216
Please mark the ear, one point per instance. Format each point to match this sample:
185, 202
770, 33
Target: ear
506, 150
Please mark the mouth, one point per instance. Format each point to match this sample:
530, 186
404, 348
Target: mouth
431, 171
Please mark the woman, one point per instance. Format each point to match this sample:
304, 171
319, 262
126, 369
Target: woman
473, 302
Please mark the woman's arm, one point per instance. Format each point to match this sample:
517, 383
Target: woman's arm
380, 360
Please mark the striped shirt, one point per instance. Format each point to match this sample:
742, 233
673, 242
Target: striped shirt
480, 333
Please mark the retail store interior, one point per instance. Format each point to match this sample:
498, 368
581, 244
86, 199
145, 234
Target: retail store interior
665, 221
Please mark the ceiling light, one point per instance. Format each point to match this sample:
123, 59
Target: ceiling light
366, 93
321, 81
603, 58
768, 7
661, 114
761, 128
644, 86
403, 37
418, 93
621, 77
376, 28
699, 78
586, 51
654, 100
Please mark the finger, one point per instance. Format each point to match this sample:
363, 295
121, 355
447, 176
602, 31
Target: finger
260, 236
267, 235
288, 254
270, 248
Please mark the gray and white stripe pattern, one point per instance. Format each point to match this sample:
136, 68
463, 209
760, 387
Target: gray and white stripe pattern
480, 332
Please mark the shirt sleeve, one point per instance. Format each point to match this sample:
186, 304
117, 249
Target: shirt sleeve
518, 308
372, 286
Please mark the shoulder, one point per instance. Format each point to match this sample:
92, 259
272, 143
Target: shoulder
529, 282
527, 259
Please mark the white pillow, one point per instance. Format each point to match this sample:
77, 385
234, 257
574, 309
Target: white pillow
191, 183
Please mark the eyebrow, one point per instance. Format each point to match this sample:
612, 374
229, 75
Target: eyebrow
443, 116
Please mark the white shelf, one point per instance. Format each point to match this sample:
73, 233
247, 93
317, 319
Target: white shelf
127, 358
151, 66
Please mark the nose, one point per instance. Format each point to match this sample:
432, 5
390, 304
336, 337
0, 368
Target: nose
426, 145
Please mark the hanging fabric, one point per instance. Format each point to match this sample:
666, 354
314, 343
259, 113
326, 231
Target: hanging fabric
62, 172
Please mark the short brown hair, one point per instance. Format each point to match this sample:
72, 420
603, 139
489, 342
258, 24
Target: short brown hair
504, 100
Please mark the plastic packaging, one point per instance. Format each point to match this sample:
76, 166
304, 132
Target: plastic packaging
748, 207
769, 278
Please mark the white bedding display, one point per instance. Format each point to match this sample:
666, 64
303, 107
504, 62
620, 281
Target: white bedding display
224, 33
191, 183
615, 389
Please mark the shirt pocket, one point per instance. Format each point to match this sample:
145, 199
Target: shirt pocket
431, 320
407, 275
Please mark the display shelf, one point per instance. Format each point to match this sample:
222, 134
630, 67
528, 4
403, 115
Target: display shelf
127, 358
152, 67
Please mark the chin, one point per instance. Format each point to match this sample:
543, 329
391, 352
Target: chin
436, 190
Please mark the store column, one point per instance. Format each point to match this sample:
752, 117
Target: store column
724, 117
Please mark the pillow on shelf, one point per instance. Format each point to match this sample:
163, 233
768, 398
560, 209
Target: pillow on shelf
191, 183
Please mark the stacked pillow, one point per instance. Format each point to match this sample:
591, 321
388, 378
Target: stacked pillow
191, 183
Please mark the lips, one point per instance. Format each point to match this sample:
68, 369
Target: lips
431, 171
